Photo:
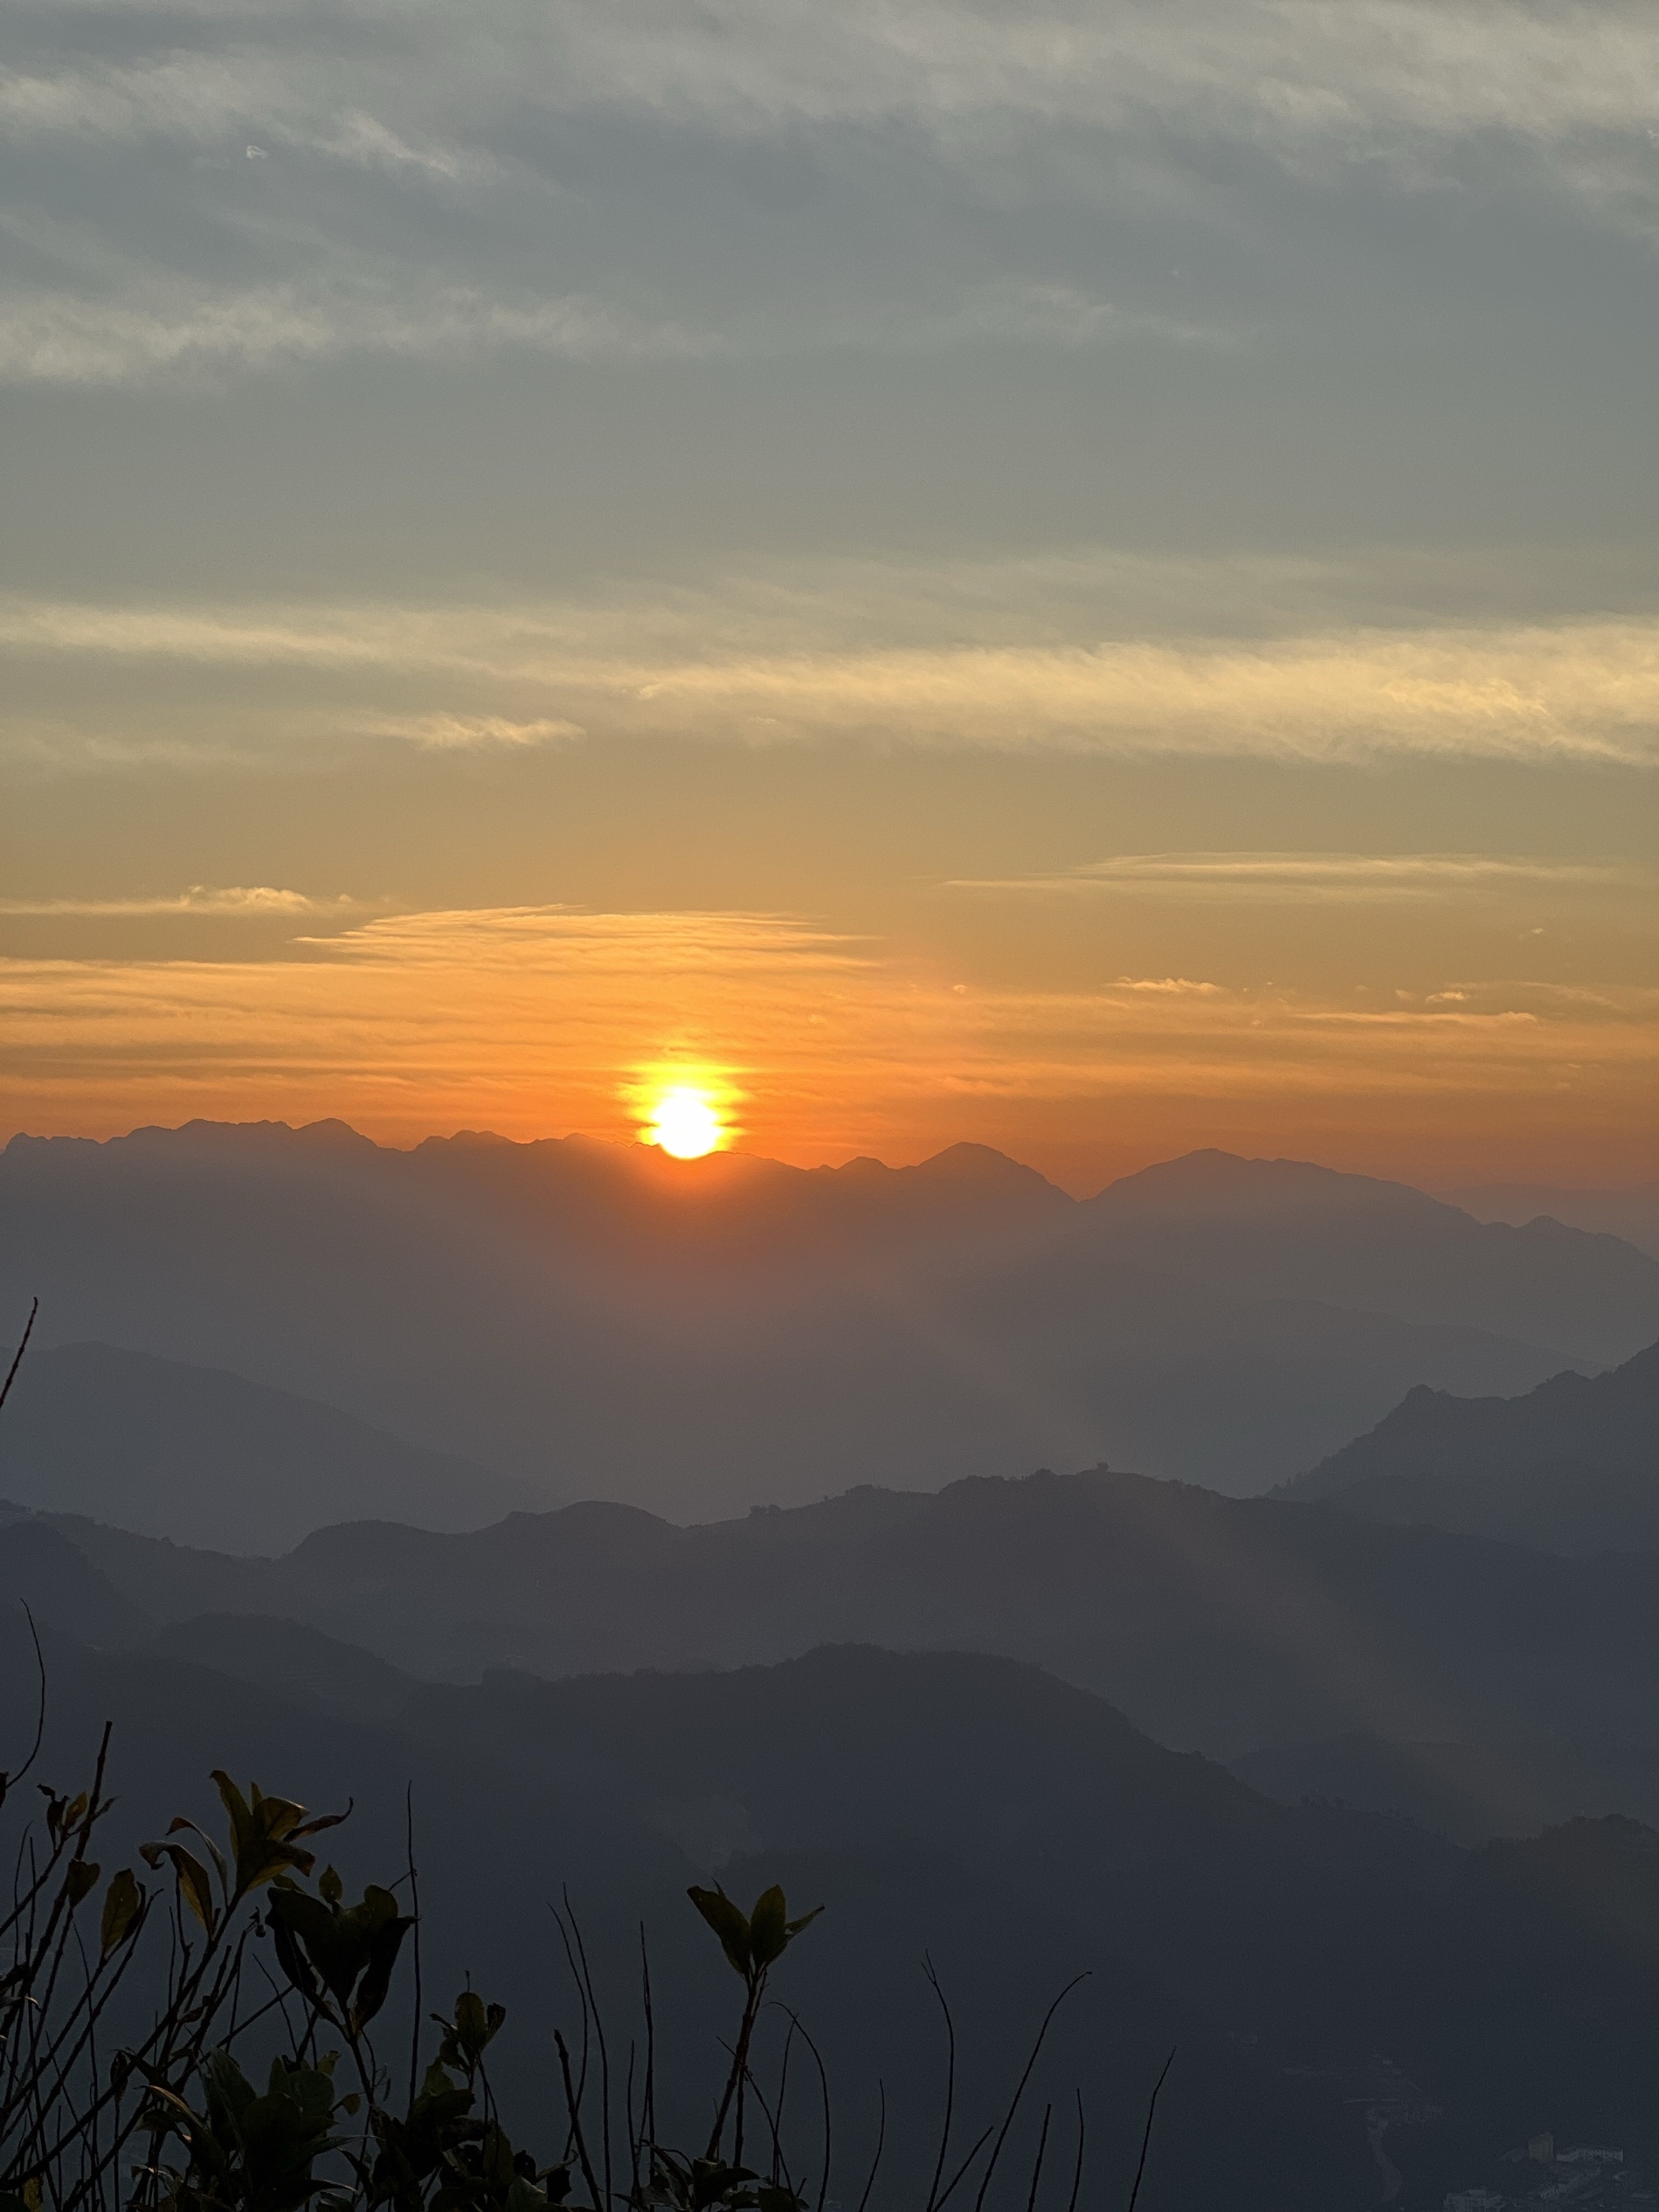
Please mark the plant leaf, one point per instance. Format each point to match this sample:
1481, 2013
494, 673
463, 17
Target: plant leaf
192, 1875
123, 1902
727, 1924
79, 1880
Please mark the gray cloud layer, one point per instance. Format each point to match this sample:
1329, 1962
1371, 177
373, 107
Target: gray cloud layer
221, 187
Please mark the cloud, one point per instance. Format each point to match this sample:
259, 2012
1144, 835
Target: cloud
1290, 70
257, 901
166, 328
1568, 692
120, 322
1278, 71
337, 117
1301, 876
202, 99
450, 733
1170, 986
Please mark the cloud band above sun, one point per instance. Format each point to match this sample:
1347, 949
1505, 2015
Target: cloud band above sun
1572, 692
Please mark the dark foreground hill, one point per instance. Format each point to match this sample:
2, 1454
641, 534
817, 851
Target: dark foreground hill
1222, 1625
696, 1336
1016, 1830
1572, 1466
206, 1458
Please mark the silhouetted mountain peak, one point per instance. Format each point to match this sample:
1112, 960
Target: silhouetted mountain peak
1572, 1464
330, 1135
979, 1166
465, 1140
1210, 1181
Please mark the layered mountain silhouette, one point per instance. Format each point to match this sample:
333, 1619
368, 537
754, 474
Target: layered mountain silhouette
1216, 1624
1017, 1831
173, 1450
1572, 1466
596, 1320
1631, 1212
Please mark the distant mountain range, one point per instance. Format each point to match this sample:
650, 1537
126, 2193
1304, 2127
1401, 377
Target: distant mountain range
1572, 1466
203, 1457
1216, 1624
595, 1320
1631, 1212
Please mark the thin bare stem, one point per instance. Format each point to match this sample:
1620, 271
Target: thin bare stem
1077, 2168
979, 2144
881, 2141
1014, 2102
593, 2001
823, 2083
934, 2198
1036, 2171
16, 1359
414, 1911
1152, 2107
573, 2107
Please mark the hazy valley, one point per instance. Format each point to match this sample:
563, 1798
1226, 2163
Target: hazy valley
1358, 1764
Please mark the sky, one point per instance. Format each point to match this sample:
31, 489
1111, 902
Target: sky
1080, 578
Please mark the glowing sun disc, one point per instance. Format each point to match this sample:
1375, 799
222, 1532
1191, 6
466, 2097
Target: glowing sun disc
685, 1122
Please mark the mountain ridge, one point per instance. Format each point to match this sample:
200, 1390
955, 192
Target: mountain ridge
1214, 1624
600, 1320
1570, 1466
171, 1448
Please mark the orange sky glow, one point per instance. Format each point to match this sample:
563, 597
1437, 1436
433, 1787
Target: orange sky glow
534, 1021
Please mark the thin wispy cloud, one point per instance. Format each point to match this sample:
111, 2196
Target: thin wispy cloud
1170, 986
470, 733
1584, 692
1286, 70
166, 329
1299, 876
255, 902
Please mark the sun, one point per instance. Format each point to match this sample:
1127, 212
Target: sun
685, 1122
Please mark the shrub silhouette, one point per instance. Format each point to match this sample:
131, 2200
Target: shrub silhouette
172, 2121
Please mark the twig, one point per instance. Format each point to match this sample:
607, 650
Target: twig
11, 1372
934, 2198
880, 2139
574, 2111
1036, 2171
599, 2034
1152, 2107
414, 1911
823, 2083
1020, 2090
10, 1782
1077, 2169
648, 2105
